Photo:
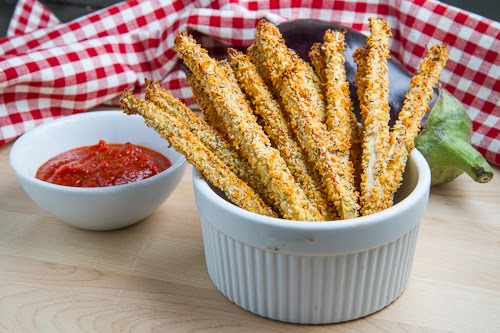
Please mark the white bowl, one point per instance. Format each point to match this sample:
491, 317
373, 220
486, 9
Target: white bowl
99, 208
313, 272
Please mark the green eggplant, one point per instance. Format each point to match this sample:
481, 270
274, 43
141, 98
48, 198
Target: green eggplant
445, 143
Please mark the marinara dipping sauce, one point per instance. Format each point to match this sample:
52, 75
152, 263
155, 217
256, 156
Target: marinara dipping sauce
104, 164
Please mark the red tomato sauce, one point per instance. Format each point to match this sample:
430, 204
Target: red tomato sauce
104, 164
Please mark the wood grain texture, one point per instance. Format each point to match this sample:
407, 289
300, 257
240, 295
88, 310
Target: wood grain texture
151, 277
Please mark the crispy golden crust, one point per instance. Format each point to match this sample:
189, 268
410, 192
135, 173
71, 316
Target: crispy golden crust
209, 136
375, 110
317, 59
355, 156
265, 30
415, 106
259, 184
291, 82
340, 118
206, 107
277, 127
188, 144
238, 118
359, 57
338, 100
258, 59
316, 88
233, 83
317, 56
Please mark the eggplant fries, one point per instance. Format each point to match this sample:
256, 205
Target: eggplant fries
374, 104
280, 138
406, 128
278, 129
232, 107
292, 82
189, 144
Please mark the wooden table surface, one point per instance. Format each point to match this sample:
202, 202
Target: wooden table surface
151, 277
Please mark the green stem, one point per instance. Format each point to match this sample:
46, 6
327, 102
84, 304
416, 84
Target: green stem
463, 156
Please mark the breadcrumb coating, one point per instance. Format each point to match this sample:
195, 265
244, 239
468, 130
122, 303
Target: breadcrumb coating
374, 104
317, 60
277, 127
168, 103
209, 136
206, 106
339, 106
316, 87
293, 84
257, 58
415, 106
259, 184
196, 153
232, 107
290, 58
359, 57
281, 139
340, 118
317, 57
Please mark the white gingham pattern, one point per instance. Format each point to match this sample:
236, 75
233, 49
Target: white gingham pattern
51, 69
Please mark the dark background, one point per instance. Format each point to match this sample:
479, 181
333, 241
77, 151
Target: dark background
66, 10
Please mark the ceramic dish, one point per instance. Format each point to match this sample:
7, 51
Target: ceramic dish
313, 272
98, 208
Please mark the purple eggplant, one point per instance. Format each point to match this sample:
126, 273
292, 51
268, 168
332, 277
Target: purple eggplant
446, 130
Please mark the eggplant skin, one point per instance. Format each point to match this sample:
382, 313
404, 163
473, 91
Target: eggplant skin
300, 35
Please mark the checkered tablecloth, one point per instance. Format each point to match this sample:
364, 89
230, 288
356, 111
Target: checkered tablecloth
51, 69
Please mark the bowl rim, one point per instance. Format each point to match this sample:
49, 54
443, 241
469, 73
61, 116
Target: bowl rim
420, 190
106, 189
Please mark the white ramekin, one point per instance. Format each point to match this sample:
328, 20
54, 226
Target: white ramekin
313, 272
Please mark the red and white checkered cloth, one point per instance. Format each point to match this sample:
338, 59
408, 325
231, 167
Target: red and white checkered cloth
51, 69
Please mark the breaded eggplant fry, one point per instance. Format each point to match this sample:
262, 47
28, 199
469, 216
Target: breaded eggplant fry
233, 82
232, 107
375, 110
339, 107
257, 59
317, 59
258, 183
188, 144
340, 118
316, 87
209, 136
357, 149
415, 105
293, 86
290, 58
277, 127
359, 57
206, 107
